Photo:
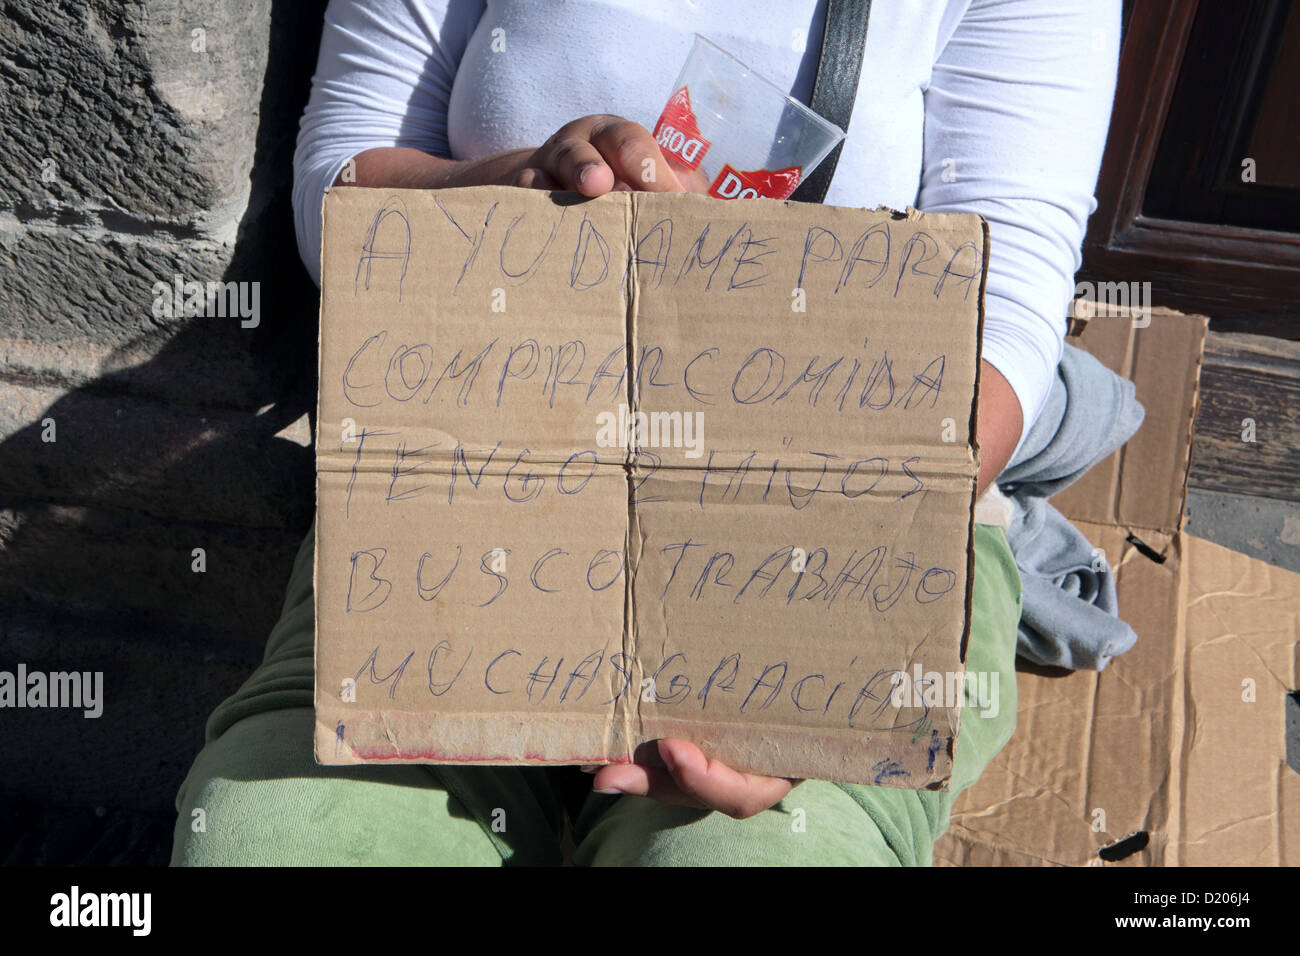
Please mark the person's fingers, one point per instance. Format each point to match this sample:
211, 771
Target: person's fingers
534, 178
690, 779
639, 780
716, 785
573, 161
634, 156
601, 152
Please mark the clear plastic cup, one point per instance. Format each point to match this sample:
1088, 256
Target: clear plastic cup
734, 134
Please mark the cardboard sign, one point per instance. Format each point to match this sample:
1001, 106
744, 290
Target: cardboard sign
597, 472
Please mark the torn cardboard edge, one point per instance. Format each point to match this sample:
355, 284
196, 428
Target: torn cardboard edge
973, 431
398, 735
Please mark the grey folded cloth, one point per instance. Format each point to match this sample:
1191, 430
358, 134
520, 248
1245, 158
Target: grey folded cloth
1069, 617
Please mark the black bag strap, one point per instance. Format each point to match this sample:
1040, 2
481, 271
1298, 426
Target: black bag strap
836, 84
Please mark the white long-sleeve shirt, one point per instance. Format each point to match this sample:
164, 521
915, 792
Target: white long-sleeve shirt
997, 107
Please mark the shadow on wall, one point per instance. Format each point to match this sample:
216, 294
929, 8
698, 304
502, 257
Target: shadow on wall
202, 445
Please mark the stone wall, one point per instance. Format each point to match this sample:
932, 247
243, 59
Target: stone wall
144, 140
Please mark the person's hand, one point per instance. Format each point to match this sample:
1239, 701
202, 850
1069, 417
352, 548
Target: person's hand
602, 152
592, 156
691, 779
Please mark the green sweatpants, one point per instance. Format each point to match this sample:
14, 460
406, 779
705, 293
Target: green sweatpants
256, 795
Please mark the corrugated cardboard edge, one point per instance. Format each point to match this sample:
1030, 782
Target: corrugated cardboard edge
974, 444
1190, 423
974, 493
323, 733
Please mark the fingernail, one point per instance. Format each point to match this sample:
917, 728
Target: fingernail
584, 171
590, 768
612, 791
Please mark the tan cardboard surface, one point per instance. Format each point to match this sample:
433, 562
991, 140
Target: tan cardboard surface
1181, 739
1160, 759
507, 573
1144, 484
1239, 801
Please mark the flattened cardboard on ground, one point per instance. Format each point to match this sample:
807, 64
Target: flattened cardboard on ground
1159, 759
1239, 801
502, 576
